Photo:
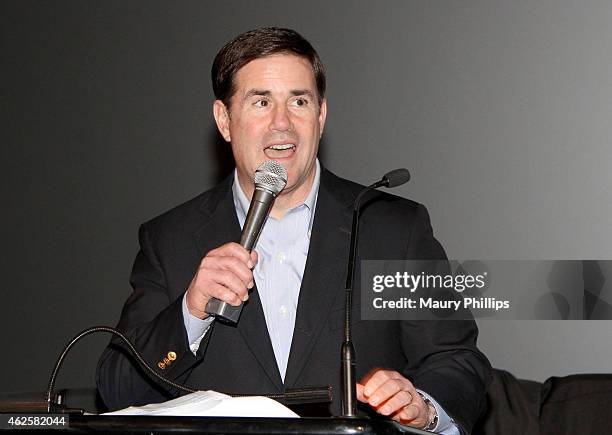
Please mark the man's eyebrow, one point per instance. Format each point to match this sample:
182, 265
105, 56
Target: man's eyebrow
266, 93
298, 92
258, 93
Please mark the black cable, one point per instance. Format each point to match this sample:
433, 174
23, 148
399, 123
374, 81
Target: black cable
295, 396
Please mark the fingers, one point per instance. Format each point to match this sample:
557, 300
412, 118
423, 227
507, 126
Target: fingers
415, 414
410, 414
393, 395
233, 249
360, 396
225, 273
388, 399
382, 384
227, 286
395, 403
232, 272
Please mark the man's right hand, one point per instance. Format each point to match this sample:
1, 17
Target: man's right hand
224, 273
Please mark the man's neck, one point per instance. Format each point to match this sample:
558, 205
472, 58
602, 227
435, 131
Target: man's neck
285, 201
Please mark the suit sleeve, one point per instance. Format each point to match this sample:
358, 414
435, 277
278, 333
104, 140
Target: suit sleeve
443, 359
154, 324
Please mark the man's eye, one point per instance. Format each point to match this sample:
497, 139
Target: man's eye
300, 102
261, 103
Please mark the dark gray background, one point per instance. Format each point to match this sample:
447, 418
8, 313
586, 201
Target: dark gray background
501, 110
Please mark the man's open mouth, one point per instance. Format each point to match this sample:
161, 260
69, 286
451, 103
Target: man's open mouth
280, 151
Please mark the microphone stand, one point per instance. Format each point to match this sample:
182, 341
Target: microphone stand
347, 350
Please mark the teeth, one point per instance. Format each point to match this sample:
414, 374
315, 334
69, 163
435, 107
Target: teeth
285, 146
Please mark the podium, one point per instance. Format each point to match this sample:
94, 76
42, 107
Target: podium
32, 403
81, 424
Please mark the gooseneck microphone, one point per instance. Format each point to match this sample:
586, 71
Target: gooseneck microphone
54, 403
270, 179
394, 178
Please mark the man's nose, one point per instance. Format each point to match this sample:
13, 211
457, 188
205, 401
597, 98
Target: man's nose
281, 119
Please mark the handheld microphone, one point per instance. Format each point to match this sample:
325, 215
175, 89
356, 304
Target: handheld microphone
270, 179
394, 178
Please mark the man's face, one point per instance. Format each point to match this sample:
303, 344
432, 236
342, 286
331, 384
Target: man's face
274, 115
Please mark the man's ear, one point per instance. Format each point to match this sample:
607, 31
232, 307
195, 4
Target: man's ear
222, 118
322, 115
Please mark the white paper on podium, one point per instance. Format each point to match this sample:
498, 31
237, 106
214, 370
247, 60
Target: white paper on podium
212, 404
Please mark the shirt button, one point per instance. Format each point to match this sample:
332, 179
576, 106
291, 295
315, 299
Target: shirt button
281, 257
283, 311
309, 233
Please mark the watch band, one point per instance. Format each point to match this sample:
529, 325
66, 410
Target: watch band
432, 414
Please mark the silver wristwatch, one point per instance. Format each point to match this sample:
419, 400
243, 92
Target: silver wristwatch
432, 414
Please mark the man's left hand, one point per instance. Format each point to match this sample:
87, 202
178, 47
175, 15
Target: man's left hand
391, 394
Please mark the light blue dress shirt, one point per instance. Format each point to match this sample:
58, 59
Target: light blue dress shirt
282, 250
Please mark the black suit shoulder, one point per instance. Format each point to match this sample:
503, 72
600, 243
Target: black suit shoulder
346, 191
189, 216
388, 219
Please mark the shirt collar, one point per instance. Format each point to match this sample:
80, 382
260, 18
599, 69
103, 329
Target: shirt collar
242, 203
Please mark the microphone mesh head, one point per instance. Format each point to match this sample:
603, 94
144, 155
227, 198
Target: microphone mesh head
271, 176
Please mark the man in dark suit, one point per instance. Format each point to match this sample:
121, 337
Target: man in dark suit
270, 86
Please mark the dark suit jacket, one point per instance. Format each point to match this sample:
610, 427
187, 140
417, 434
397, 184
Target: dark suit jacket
440, 357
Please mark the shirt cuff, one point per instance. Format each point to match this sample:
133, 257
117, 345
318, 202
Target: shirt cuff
196, 328
446, 425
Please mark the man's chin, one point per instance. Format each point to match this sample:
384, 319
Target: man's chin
294, 186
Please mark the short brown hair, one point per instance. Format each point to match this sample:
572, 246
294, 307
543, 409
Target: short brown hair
256, 44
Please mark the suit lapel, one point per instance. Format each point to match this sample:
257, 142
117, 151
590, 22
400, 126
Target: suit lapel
221, 226
324, 275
